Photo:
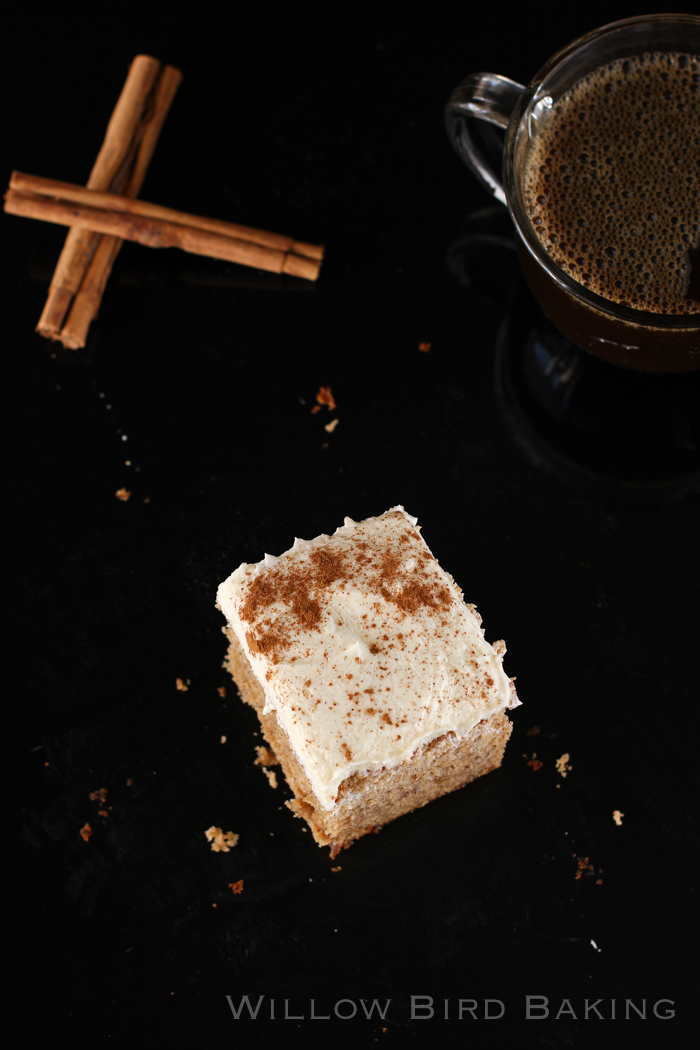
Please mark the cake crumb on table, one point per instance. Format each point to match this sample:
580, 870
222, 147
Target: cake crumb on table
330, 427
617, 817
325, 397
123, 494
221, 690
535, 762
583, 867
182, 685
266, 757
586, 868
563, 765
237, 887
271, 777
221, 841
85, 832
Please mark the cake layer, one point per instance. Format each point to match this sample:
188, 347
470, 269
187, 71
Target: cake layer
364, 650
369, 800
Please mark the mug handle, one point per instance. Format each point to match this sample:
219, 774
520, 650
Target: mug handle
484, 96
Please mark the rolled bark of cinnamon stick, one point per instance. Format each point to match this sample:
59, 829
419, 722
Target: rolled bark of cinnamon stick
117, 147
157, 233
86, 303
66, 191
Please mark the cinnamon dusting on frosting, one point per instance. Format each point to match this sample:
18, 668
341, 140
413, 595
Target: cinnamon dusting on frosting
402, 578
297, 586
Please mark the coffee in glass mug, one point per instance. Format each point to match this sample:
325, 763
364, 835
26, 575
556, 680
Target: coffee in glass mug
601, 174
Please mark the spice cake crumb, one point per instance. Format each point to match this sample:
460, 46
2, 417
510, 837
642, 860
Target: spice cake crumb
563, 765
266, 757
325, 397
221, 841
271, 777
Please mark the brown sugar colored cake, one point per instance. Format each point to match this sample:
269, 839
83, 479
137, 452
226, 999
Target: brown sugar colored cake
371, 676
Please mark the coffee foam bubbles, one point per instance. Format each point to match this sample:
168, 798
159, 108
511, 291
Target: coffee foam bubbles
612, 182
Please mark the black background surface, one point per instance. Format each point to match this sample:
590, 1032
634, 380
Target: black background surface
326, 125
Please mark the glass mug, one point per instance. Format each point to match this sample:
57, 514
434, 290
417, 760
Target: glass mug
630, 337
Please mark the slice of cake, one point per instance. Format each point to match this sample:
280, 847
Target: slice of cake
372, 679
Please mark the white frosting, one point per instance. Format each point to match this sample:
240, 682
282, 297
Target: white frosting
364, 647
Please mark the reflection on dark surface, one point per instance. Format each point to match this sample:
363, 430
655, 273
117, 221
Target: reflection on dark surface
483, 255
634, 436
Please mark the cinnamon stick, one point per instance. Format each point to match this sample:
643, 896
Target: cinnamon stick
66, 191
86, 303
159, 233
108, 172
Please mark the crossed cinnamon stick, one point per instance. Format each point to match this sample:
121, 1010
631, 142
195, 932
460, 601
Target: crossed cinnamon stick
106, 212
